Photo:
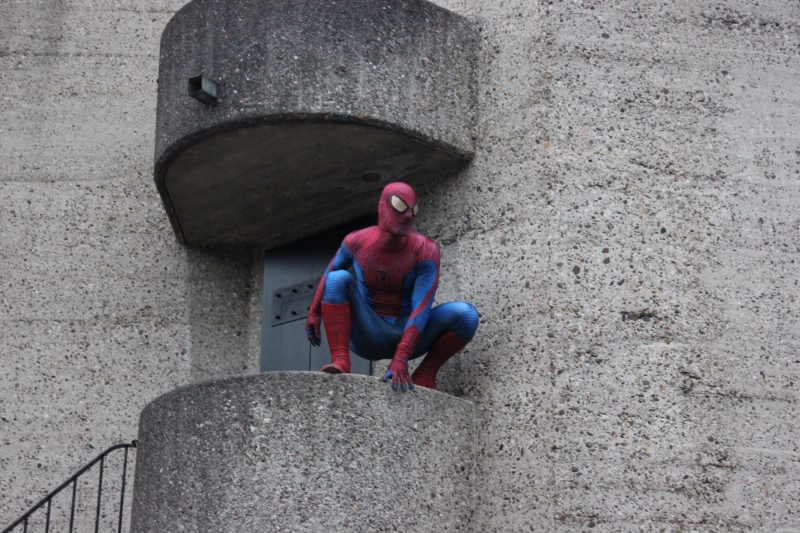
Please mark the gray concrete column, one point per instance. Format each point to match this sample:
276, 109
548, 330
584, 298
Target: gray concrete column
296, 451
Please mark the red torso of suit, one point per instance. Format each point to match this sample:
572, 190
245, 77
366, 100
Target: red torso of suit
387, 274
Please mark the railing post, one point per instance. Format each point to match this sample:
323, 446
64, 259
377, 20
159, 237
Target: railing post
47, 523
72, 511
122, 496
99, 494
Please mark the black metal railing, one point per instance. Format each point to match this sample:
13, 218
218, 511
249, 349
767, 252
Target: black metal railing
27, 518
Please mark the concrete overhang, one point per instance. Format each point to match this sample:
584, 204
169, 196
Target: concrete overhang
318, 106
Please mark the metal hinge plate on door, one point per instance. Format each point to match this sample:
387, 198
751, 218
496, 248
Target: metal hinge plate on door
291, 303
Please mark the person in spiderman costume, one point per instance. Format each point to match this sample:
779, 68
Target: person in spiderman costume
386, 311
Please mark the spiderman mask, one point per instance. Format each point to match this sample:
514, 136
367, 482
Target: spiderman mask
397, 209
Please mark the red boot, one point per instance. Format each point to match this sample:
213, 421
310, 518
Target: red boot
443, 349
336, 318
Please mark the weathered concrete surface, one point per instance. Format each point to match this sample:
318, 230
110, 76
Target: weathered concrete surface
602, 123
273, 184
313, 97
100, 309
224, 308
120, 252
305, 452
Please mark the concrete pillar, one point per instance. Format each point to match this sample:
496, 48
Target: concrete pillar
304, 452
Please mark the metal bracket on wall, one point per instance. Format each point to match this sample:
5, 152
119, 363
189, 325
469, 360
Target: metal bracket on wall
204, 89
291, 303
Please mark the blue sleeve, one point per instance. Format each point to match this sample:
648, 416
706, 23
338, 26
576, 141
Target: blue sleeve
425, 285
342, 260
422, 294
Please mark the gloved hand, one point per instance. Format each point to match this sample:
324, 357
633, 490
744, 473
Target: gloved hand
398, 371
312, 328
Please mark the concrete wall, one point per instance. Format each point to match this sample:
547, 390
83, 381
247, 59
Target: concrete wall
667, 133
642, 115
100, 309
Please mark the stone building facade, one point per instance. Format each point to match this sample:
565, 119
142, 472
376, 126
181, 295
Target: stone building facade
628, 230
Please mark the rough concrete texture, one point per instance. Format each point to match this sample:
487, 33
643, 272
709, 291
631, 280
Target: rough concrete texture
100, 309
262, 186
628, 231
303, 451
224, 306
411, 67
553, 367
310, 100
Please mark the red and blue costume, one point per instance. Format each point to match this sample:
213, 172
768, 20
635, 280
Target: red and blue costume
386, 310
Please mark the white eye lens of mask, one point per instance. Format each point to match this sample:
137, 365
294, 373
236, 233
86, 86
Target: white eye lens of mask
399, 204
416, 208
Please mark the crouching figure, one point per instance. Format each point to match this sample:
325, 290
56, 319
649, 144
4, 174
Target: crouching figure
386, 310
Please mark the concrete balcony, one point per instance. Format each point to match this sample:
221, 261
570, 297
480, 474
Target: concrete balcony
303, 451
317, 106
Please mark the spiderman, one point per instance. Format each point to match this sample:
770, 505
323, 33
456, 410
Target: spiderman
385, 311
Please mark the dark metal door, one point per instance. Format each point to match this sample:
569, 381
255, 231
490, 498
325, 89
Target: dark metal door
291, 276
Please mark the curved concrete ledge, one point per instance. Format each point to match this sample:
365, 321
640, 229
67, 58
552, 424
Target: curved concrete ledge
315, 98
304, 452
